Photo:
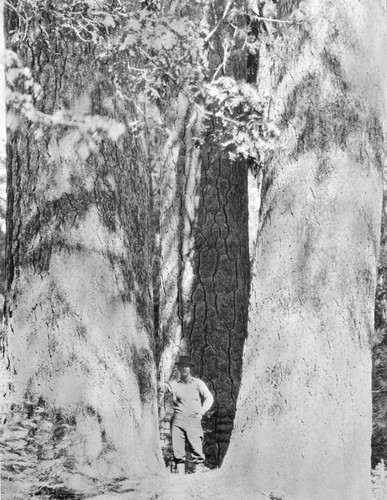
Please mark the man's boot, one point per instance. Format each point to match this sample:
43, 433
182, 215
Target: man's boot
200, 467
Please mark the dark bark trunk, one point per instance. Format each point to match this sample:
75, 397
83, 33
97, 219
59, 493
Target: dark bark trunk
379, 352
219, 303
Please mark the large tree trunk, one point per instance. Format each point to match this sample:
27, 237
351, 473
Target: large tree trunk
218, 319
2, 93
3, 173
303, 422
78, 305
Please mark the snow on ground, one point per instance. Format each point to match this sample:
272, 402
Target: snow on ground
201, 486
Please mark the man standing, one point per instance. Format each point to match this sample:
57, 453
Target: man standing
191, 400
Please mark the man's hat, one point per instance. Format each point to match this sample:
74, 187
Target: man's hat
185, 360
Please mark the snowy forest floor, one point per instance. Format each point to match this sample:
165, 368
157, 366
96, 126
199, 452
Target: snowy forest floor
208, 485
200, 486
211, 485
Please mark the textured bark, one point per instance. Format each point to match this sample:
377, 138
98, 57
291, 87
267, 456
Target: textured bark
216, 323
379, 351
219, 302
3, 174
78, 304
303, 423
178, 190
2, 95
178, 200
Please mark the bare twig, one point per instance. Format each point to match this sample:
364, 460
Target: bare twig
225, 12
25, 19
270, 20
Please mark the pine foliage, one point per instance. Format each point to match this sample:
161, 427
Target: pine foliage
152, 56
379, 481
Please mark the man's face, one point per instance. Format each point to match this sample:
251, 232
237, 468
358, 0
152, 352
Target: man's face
184, 370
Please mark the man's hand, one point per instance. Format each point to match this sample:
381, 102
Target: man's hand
163, 386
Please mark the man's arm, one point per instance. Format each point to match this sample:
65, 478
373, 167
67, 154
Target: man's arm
206, 397
164, 387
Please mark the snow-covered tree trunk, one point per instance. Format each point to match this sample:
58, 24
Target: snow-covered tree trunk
78, 302
2, 92
303, 423
3, 174
4, 381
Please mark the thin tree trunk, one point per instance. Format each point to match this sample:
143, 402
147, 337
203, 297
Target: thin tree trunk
177, 184
303, 423
178, 194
